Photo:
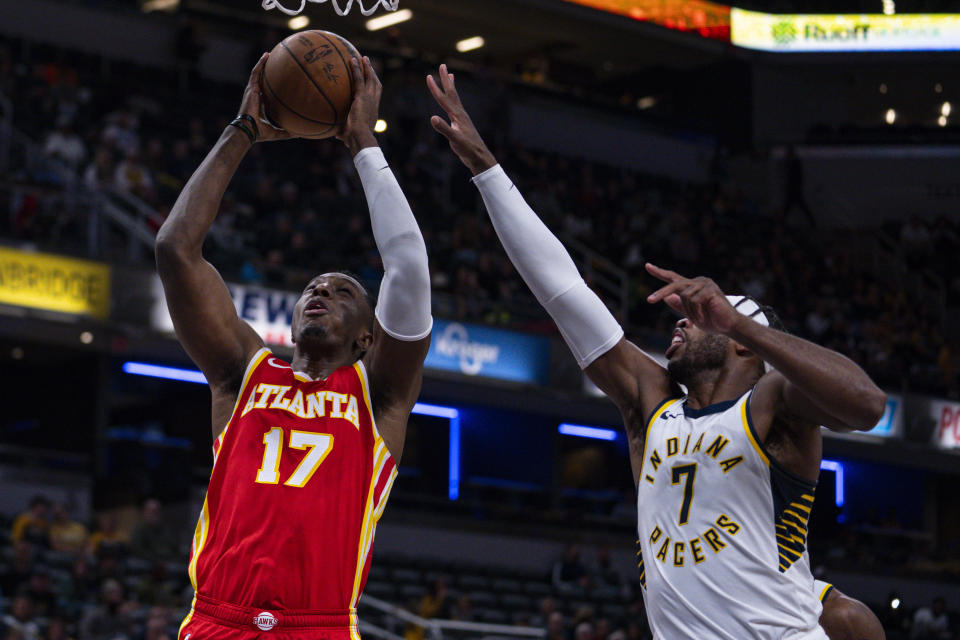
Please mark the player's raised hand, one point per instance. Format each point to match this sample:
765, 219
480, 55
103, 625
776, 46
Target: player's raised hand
699, 299
460, 132
252, 105
357, 131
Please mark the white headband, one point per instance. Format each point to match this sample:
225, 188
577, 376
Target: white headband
751, 309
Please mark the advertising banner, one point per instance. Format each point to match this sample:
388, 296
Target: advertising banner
946, 432
54, 283
268, 311
844, 32
891, 424
492, 353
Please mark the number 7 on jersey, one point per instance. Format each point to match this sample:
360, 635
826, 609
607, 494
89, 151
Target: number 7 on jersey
690, 471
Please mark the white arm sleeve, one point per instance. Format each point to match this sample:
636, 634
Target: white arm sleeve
585, 323
403, 306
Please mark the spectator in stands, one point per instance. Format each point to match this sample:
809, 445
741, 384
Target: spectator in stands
152, 538
133, 177
39, 589
99, 173
463, 610
433, 605
112, 619
33, 525
20, 618
569, 571
57, 630
931, 623
65, 145
82, 585
555, 627
604, 575
158, 624
584, 631
108, 540
18, 570
66, 535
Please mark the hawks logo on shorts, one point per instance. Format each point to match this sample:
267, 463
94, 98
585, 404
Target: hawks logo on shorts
300, 478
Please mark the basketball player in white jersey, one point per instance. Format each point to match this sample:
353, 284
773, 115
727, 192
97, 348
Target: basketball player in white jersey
725, 473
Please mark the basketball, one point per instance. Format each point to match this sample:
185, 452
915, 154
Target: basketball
307, 85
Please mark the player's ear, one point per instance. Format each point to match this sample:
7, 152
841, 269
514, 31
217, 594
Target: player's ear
741, 350
365, 341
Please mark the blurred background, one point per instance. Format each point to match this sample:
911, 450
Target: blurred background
812, 161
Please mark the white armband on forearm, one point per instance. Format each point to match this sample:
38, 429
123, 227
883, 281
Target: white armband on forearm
403, 306
585, 323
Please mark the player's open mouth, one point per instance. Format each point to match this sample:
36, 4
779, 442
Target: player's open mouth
675, 343
315, 308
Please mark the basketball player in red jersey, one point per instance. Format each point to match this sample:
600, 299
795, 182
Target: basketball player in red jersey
305, 452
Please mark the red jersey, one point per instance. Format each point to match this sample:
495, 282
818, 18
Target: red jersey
300, 478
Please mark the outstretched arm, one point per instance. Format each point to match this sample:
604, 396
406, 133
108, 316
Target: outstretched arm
401, 335
204, 317
810, 384
633, 380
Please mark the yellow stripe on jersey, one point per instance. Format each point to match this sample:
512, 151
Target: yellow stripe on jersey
189, 617
379, 459
257, 359
826, 589
653, 418
199, 539
365, 385
749, 430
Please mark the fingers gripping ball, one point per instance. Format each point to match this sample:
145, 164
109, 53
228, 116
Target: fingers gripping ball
307, 85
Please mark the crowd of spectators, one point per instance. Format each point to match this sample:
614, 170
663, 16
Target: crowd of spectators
296, 207
60, 581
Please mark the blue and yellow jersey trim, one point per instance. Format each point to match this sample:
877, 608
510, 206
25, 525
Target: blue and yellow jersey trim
825, 592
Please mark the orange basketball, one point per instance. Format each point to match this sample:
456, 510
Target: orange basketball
307, 85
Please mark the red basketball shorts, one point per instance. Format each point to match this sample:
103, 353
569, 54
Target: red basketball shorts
213, 620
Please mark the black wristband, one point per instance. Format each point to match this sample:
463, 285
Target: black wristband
238, 123
253, 124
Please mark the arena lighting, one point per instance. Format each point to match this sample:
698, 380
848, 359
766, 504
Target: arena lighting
889, 7
388, 19
945, 109
159, 5
587, 432
890, 117
298, 22
469, 44
380, 126
895, 603
158, 371
942, 121
453, 415
837, 468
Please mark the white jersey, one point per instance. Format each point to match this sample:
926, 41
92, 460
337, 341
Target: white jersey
722, 530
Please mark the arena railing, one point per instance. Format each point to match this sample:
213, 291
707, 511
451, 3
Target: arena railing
611, 282
435, 627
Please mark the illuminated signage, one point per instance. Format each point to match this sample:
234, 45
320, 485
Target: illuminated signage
708, 19
487, 352
946, 415
54, 283
844, 32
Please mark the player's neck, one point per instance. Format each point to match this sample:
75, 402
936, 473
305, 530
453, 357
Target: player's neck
712, 386
319, 365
